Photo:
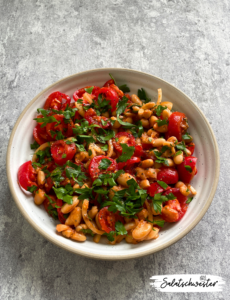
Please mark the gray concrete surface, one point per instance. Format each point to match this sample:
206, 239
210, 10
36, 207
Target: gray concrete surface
184, 42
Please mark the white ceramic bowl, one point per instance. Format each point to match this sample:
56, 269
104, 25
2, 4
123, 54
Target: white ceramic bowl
205, 182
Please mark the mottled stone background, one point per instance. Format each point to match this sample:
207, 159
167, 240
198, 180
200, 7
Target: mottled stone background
185, 42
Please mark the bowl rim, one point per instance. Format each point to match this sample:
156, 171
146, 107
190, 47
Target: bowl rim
123, 256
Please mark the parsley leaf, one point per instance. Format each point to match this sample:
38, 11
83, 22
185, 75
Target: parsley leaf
159, 109
162, 184
188, 168
143, 95
124, 88
160, 223
105, 135
121, 105
63, 194
32, 188
85, 138
161, 122
178, 153
89, 90
110, 236
181, 146
158, 199
35, 145
46, 119
189, 200
127, 153
120, 228
104, 164
68, 113
113, 79
104, 147
42, 154
186, 136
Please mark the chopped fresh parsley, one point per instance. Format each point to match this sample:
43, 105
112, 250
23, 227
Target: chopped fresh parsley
113, 79
188, 168
63, 193
64, 155
121, 105
32, 188
189, 200
127, 153
120, 228
110, 236
161, 122
104, 164
181, 146
124, 88
186, 136
46, 119
159, 223
178, 153
160, 109
89, 90
42, 154
35, 145
104, 147
158, 199
68, 113
143, 95
162, 184
87, 231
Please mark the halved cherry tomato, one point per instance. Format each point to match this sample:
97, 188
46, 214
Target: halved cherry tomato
110, 95
92, 117
174, 126
95, 171
37, 136
182, 200
168, 175
123, 138
108, 83
26, 175
154, 188
138, 151
108, 219
79, 93
186, 175
191, 147
129, 162
66, 129
54, 101
56, 204
61, 152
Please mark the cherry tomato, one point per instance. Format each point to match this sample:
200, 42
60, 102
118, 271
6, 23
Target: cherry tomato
92, 117
26, 175
129, 162
37, 136
110, 95
66, 129
61, 152
168, 175
79, 93
138, 151
182, 200
186, 175
108, 219
94, 169
55, 204
123, 138
54, 101
49, 184
191, 147
108, 83
174, 126
154, 188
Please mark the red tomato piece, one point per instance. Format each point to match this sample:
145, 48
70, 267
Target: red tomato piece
174, 126
110, 95
92, 117
55, 204
184, 174
154, 188
27, 175
168, 175
66, 129
108, 83
191, 147
123, 138
138, 151
61, 152
79, 93
108, 219
129, 162
55, 101
95, 171
37, 136
182, 200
